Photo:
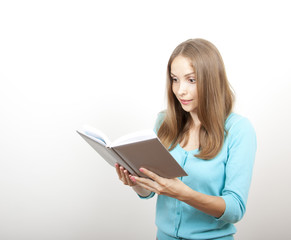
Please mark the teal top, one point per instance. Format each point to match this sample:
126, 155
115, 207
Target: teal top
227, 175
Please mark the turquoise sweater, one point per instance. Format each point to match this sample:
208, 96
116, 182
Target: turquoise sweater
227, 175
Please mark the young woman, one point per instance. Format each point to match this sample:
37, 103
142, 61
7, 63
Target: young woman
215, 146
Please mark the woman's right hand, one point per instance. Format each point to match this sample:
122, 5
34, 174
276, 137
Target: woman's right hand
124, 175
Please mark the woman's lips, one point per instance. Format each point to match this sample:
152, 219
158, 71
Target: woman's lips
185, 102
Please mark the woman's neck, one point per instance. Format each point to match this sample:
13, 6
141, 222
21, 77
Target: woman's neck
195, 120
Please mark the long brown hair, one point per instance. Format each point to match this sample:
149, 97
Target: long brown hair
215, 100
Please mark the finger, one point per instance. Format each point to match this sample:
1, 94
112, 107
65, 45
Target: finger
145, 182
117, 168
121, 169
150, 174
128, 180
146, 187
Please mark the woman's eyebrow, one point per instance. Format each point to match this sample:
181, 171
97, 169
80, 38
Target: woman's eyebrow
185, 74
189, 74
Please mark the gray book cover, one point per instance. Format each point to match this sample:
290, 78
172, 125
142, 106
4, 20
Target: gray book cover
152, 155
148, 153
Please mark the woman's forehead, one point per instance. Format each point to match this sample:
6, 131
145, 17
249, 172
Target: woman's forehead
182, 65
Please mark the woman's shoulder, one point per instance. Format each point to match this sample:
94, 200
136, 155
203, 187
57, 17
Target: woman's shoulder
159, 120
161, 115
236, 123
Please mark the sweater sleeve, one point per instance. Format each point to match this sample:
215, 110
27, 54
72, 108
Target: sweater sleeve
242, 147
159, 121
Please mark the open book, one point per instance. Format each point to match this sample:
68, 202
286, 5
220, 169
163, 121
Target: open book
133, 151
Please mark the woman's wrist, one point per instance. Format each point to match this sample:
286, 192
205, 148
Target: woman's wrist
141, 191
185, 193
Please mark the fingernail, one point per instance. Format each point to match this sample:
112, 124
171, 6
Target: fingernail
132, 179
141, 169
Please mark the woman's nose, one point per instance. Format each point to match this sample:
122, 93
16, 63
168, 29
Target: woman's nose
182, 89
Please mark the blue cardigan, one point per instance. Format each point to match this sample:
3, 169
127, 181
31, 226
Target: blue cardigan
227, 175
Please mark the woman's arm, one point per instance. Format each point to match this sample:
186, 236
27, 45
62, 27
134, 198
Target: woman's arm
212, 205
230, 206
175, 188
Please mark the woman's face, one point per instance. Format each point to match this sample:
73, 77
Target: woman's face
184, 83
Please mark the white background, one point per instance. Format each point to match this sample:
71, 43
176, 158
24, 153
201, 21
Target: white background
66, 63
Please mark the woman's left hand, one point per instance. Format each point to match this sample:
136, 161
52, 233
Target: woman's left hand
162, 186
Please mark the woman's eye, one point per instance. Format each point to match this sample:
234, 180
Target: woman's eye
192, 80
174, 79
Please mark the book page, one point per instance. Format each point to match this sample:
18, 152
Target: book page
100, 148
134, 137
95, 134
106, 153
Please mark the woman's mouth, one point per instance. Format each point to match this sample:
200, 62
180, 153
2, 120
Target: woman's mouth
185, 102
